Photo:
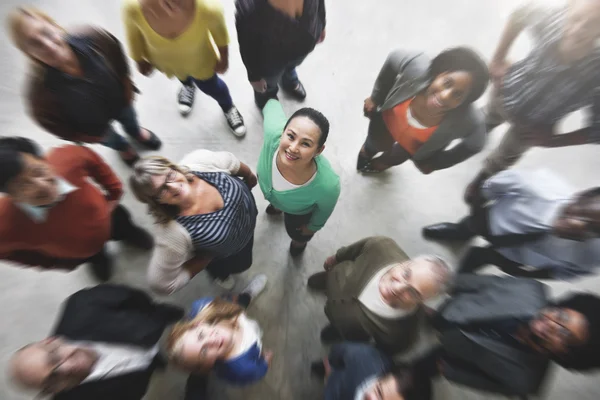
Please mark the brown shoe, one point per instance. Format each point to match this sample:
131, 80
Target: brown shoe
318, 281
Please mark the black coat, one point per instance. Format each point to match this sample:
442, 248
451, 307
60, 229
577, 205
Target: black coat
115, 314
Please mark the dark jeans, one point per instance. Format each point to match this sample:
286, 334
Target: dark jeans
237, 263
379, 139
478, 257
293, 224
129, 122
286, 76
216, 88
120, 228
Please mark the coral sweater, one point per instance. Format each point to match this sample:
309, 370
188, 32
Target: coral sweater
76, 228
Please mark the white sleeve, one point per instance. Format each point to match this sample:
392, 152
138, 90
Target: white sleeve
173, 247
506, 182
212, 161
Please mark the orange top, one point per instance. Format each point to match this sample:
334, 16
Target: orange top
405, 134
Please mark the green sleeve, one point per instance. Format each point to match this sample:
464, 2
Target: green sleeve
324, 207
274, 120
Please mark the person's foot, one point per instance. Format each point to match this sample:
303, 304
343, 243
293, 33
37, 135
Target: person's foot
317, 369
235, 122
101, 266
363, 160
375, 166
318, 281
272, 210
149, 140
297, 248
139, 237
227, 283
329, 334
185, 98
261, 99
297, 92
447, 231
256, 286
129, 156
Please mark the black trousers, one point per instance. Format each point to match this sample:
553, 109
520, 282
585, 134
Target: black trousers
477, 257
293, 225
237, 263
121, 227
380, 139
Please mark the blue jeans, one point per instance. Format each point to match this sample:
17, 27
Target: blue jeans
216, 88
129, 122
286, 76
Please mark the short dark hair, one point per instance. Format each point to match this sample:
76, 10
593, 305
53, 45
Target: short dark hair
11, 162
586, 356
463, 59
315, 116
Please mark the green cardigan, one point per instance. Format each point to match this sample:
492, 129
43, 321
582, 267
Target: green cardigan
319, 196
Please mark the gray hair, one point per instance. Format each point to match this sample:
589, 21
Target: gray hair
442, 270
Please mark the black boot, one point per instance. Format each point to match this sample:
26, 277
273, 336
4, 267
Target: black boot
447, 231
318, 281
101, 266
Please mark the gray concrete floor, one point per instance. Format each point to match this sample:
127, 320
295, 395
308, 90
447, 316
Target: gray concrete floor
338, 76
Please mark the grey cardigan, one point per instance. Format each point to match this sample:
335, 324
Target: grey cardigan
403, 75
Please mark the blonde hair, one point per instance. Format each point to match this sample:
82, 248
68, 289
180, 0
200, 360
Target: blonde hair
219, 311
141, 185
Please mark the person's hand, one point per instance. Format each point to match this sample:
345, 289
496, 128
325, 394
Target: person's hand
472, 192
222, 65
322, 37
424, 168
330, 263
145, 67
498, 69
268, 357
369, 107
259, 86
112, 205
251, 180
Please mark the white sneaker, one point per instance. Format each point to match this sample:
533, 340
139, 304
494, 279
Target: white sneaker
185, 98
256, 286
235, 122
227, 284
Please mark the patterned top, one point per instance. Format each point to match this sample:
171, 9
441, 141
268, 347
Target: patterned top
540, 89
228, 230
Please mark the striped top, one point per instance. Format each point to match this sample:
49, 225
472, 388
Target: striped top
540, 89
228, 230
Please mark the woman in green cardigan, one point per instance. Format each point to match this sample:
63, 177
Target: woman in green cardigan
293, 175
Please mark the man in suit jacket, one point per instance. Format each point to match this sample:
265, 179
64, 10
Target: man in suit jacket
105, 346
359, 371
374, 291
498, 334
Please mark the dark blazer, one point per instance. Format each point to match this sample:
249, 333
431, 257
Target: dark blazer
357, 264
403, 75
352, 364
115, 314
481, 362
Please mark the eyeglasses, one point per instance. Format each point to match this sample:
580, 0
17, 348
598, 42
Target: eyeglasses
169, 178
412, 292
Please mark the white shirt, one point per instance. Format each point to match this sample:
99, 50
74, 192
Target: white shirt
117, 360
280, 183
39, 214
371, 298
412, 121
251, 334
366, 385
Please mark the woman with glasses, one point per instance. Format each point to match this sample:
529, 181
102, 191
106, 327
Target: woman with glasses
205, 214
390, 288
79, 84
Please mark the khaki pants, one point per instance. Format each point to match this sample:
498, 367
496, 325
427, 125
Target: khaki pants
512, 146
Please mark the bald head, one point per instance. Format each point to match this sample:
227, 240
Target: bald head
51, 365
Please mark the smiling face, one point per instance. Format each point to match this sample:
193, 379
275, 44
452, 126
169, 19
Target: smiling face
172, 187
44, 41
386, 388
36, 185
299, 143
448, 91
557, 329
204, 344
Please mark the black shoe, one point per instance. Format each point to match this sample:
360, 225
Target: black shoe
318, 281
130, 160
153, 143
296, 251
297, 91
261, 99
185, 98
317, 369
362, 162
447, 231
101, 266
329, 334
272, 210
139, 237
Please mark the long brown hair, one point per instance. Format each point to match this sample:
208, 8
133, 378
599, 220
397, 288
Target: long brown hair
219, 311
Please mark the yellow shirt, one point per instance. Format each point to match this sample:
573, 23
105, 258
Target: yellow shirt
193, 53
